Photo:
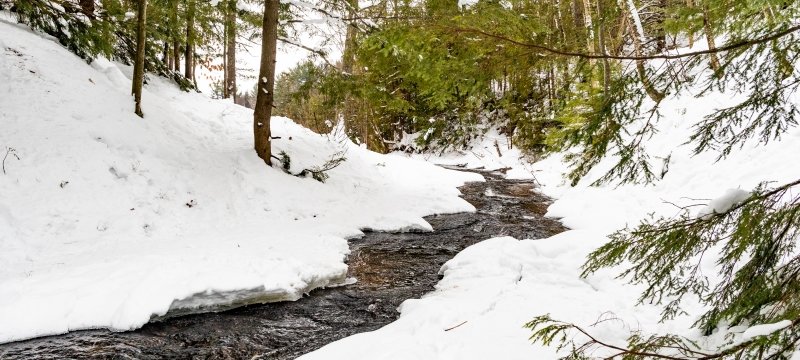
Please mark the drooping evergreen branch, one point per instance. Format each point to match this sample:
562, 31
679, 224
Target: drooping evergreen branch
548, 330
757, 265
585, 55
758, 279
694, 221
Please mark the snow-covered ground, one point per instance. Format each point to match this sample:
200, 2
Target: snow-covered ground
107, 219
493, 151
490, 290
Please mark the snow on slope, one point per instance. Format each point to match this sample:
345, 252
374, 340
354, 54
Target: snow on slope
95, 224
490, 290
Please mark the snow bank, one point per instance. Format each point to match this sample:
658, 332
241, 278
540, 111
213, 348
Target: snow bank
107, 219
764, 329
478, 309
490, 290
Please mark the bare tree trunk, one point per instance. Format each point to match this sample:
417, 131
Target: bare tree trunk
347, 111
661, 33
348, 55
230, 61
587, 20
189, 64
225, 59
266, 81
194, 66
138, 66
652, 92
87, 8
601, 42
175, 62
715, 65
170, 58
622, 30
690, 4
176, 55
165, 54
578, 13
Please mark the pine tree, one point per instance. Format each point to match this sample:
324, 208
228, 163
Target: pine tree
189, 64
266, 82
230, 51
138, 67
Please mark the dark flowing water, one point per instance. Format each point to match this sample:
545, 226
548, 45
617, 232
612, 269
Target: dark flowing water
390, 268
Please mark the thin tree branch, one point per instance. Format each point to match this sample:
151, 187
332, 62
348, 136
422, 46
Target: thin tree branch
309, 49
736, 45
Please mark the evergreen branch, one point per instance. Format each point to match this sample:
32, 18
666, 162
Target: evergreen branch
692, 222
758, 266
546, 330
595, 56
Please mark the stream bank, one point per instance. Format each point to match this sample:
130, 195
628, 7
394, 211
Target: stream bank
390, 268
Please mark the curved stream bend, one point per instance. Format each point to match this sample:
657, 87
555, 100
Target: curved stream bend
390, 268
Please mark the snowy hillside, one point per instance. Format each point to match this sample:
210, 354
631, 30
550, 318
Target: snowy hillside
107, 219
490, 290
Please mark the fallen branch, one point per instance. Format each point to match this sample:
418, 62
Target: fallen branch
9, 151
451, 328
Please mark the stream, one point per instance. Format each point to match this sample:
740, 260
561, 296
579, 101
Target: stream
390, 268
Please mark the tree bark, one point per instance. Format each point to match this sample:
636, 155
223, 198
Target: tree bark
87, 8
266, 82
175, 62
661, 33
189, 57
651, 90
225, 59
230, 62
176, 55
601, 40
349, 53
165, 55
174, 31
715, 65
587, 21
138, 66
691, 35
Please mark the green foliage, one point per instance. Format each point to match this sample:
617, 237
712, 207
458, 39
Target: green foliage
597, 123
768, 83
425, 76
309, 94
111, 32
286, 161
756, 277
73, 29
757, 268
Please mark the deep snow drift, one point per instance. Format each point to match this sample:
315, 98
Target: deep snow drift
107, 219
490, 290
